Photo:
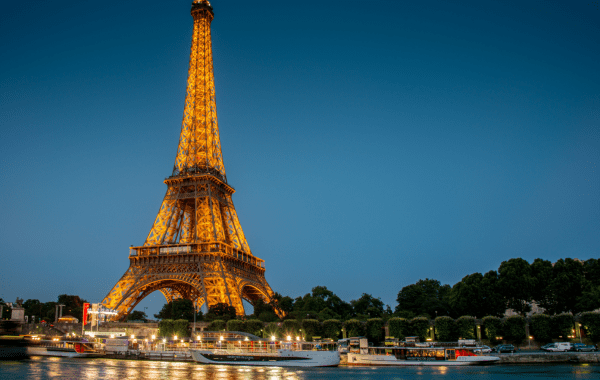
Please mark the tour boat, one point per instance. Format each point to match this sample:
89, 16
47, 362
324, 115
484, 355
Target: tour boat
271, 354
63, 349
412, 355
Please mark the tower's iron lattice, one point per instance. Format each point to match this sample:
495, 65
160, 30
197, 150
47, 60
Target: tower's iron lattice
196, 248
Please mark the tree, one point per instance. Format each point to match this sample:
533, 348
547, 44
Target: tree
492, 326
568, 285
516, 283
542, 272
221, 311
399, 327
264, 311
321, 302
137, 315
426, 297
541, 327
465, 327
445, 329
374, 327
514, 328
33, 307
367, 306
178, 309
73, 305
420, 327
332, 328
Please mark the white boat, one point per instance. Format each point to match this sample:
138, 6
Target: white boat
63, 349
263, 353
360, 353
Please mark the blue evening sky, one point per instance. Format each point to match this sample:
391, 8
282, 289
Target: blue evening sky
371, 143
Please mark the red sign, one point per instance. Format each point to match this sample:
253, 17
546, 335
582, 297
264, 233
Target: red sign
85, 312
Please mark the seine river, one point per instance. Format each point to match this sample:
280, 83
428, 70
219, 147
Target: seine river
92, 369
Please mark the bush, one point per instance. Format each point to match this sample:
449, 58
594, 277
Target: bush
354, 327
310, 328
466, 328
165, 328
273, 329
291, 327
514, 328
591, 325
541, 327
445, 329
492, 326
235, 325
420, 327
399, 327
254, 326
216, 325
374, 327
332, 328
562, 325
180, 327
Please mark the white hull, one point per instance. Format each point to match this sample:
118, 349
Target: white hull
48, 351
279, 358
390, 360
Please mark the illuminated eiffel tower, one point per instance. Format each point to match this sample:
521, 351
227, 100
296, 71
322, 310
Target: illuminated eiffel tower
196, 248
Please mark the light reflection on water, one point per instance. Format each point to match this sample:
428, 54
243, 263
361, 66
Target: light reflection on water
41, 368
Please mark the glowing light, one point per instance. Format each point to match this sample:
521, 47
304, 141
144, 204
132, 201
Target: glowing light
132, 336
175, 337
289, 337
153, 337
272, 337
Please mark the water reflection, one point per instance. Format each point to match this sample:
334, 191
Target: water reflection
40, 368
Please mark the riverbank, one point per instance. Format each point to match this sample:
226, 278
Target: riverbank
550, 358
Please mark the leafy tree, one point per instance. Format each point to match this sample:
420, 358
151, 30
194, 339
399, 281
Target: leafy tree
420, 327
273, 329
332, 328
180, 327
217, 325
516, 284
374, 327
354, 328
137, 315
255, 327
73, 305
235, 325
541, 292
541, 327
562, 325
445, 329
33, 307
426, 297
285, 304
178, 309
591, 270
5, 310
514, 328
220, 311
321, 302
465, 327
399, 327
589, 300
291, 327
568, 285
477, 295
591, 325
166, 328
492, 326
310, 328
368, 306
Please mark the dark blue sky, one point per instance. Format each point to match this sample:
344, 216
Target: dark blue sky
372, 143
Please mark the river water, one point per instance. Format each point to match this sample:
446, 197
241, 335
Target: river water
42, 368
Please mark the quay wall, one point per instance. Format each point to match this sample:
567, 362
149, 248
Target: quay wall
547, 358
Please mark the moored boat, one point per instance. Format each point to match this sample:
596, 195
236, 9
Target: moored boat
279, 358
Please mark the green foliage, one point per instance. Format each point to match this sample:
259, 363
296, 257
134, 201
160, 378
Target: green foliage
591, 325
217, 325
264, 311
273, 329
137, 315
180, 328
420, 327
254, 326
221, 311
516, 284
568, 285
425, 297
73, 305
310, 328
514, 328
465, 327
374, 329
178, 309
166, 328
368, 306
477, 295
332, 328
321, 303
354, 327
445, 329
291, 327
235, 325
541, 327
562, 325
492, 326
399, 327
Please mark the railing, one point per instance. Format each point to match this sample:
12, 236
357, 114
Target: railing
196, 249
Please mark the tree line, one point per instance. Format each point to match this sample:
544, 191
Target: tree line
45, 311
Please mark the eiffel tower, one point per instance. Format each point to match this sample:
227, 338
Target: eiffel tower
196, 248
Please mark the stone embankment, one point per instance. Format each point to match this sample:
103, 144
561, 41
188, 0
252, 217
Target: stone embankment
547, 357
